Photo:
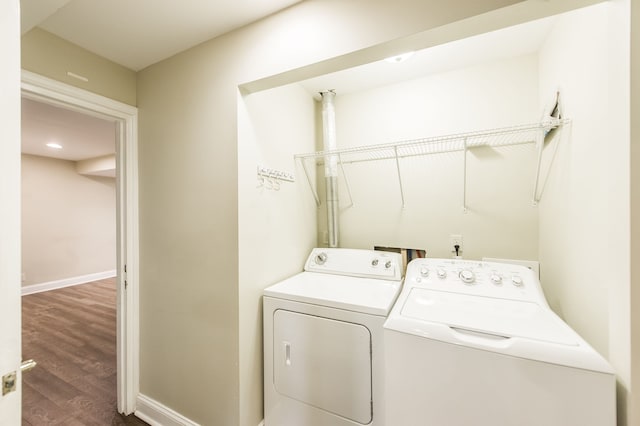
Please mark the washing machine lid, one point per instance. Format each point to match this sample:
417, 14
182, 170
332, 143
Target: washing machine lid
488, 315
364, 295
512, 328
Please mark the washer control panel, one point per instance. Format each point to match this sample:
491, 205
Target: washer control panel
489, 279
357, 263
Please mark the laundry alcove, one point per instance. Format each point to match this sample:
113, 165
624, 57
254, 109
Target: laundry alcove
583, 182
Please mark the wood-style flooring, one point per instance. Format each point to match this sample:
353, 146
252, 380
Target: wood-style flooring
71, 333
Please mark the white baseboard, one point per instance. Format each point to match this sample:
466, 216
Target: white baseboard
261, 423
67, 282
156, 414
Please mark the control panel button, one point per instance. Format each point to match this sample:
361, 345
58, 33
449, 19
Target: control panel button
442, 274
467, 276
388, 264
374, 262
496, 279
424, 271
517, 280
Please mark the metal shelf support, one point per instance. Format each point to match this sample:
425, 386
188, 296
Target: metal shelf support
464, 177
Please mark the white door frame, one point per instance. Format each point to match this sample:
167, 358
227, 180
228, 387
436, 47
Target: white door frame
42, 89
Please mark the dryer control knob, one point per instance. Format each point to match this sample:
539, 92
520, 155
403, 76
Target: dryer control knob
321, 258
374, 262
424, 271
387, 264
517, 281
467, 276
442, 273
496, 279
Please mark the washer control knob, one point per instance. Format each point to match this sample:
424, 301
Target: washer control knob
387, 265
374, 262
467, 276
442, 274
321, 258
517, 280
424, 271
496, 279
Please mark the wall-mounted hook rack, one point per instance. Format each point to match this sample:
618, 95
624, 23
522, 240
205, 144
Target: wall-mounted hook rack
270, 178
268, 173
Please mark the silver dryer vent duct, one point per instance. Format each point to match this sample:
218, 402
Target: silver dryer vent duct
330, 164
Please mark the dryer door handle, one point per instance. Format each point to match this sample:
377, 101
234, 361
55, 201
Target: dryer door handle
287, 353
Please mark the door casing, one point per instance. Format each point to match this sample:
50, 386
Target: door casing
43, 89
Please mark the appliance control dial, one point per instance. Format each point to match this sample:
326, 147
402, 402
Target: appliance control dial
442, 273
467, 276
517, 280
374, 262
387, 265
496, 279
321, 258
424, 271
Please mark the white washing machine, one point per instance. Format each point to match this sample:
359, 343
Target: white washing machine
323, 339
475, 343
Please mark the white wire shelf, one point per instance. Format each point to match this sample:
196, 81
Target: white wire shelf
506, 136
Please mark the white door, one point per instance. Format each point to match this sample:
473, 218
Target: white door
10, 336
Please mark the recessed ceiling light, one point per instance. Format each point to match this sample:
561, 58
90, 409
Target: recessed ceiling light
399, 58
54, 145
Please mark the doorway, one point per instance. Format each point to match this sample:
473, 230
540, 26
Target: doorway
50, 92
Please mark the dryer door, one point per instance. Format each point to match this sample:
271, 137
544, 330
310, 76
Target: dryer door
323, 362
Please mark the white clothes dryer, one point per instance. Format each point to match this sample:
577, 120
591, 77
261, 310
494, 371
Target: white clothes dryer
475, 343
323, 339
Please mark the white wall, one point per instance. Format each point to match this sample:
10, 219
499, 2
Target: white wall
276, 227
501, 220
68, 221
584, 211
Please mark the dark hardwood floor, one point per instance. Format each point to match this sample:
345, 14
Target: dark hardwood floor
71, 333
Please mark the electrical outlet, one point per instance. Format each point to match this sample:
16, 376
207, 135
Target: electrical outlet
455, 240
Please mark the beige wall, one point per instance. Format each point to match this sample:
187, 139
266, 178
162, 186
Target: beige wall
634, 397
189, 291
584, 211
573, 208
68, 221
52, 56
500, 220
276, 227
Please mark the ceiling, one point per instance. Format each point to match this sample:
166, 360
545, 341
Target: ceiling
82, 136
505, 43
139, 33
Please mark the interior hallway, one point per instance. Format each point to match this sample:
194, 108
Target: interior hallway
71, 333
